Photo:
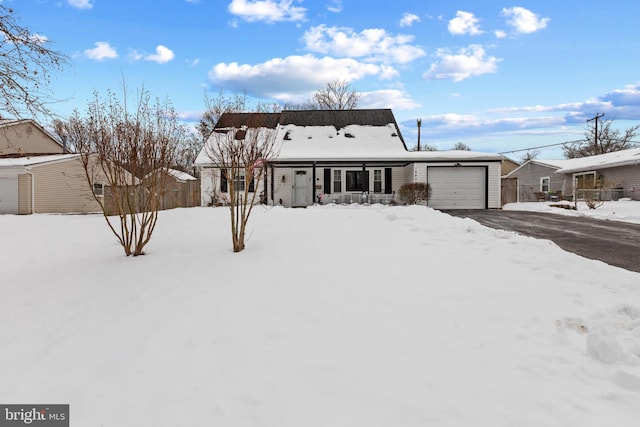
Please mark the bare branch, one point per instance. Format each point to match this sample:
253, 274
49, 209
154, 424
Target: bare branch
25, 65
129, 153
242, 156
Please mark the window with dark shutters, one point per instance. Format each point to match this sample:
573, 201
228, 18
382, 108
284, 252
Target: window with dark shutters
327, 181
252, 185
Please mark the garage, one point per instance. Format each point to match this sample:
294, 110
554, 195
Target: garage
457, 187
9, 194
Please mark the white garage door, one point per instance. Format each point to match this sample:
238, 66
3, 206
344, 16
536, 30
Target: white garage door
457, 187
8, 194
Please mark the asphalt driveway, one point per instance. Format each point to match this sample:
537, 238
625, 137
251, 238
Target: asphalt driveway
613, 242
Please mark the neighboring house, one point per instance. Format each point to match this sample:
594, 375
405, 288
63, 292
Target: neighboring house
36, 175
617, 172
347, 156
25, 138
508, 166
45, 184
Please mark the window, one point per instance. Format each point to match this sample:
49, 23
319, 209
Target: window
377, 181
238, 181
586, 181
544, 183
357, 180
98, 189
337, 181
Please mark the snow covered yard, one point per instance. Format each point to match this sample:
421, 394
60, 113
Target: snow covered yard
332, 316
621, 210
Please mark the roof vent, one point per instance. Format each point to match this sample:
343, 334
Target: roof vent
348, 135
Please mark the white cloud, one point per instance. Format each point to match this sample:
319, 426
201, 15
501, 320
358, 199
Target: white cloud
335, 6
523, 20
101, 52
162, 55
464, 23
266, 10
294, 78
500, 34
387, 98
81, 4
468, 62
373, 44
134, 55
408, 19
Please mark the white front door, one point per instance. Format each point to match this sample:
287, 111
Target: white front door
300, 188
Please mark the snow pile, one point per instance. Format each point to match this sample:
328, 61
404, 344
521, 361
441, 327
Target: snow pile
332, 316
620, 210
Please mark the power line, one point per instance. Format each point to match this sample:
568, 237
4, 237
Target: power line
542, 146
636, 143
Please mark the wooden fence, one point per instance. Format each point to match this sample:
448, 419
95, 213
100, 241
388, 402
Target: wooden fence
177, 195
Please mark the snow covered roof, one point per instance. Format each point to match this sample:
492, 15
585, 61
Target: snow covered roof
602, 161
34, 160
181, 176
337, 135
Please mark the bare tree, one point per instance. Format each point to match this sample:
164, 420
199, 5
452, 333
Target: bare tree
337, 95
186, 153
530, 155
242, 156
601, 138
461, 146
118, 147
25, 65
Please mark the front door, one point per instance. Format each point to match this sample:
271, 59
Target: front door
300, 188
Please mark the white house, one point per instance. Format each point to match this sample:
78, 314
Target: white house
347, 156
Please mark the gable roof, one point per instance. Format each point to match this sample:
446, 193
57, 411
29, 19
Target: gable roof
602, 161
35, 160
335, 135
553, 164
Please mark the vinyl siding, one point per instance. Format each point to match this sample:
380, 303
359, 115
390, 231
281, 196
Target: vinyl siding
24, 194
26, 138
62, 187
625, 177
529, 181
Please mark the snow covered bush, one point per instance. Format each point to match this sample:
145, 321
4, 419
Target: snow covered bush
415, 193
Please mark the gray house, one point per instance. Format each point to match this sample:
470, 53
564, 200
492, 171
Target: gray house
339, 156
616, 173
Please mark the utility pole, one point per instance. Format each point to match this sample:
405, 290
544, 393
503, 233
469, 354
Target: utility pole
419, 121
595, 135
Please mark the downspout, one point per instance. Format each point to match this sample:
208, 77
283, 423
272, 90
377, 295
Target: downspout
313, 184
33, 191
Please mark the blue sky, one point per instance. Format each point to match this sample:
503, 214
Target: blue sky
496, 75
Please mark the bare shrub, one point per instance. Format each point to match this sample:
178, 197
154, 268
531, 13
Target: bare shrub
242, 156
118, 147
415, 193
